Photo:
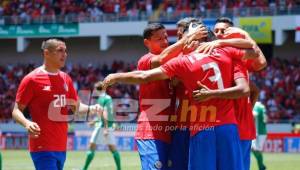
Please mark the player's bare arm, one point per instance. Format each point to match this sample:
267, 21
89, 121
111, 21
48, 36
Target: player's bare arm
207, 47
186, 42
93, 109
135, 77
260, 62
241, 89
32, 127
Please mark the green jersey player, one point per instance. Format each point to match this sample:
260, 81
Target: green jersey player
260, 116
103, 132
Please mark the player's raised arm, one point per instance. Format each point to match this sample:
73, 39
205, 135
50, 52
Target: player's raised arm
260, 62
175, 49
135, 77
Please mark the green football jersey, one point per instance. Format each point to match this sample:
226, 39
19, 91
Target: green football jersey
106, 102
260, 116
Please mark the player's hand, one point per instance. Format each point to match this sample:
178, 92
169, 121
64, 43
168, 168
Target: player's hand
234, 32
202, 94
190, 47
208, 47
105, 131
96, 109
92, 123
108, 81
196, 33
33, 129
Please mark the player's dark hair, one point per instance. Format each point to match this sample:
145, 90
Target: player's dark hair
98, 85
151, 28
224, 20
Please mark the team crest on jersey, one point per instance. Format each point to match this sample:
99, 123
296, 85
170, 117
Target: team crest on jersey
47, 88
158, 165
66, 87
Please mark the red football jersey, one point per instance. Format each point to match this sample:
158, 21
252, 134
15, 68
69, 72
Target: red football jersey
243, 108
214, 71
47, 95
155, 106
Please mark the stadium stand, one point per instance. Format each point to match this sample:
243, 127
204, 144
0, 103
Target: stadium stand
279, 84
49, 11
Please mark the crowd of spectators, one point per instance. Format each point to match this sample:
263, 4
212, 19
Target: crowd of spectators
279, 85
28, 11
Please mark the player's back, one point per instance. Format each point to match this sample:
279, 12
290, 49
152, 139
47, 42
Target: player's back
216, 72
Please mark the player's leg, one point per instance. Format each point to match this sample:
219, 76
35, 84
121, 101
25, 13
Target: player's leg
61, 158
48, 160
202, 153
116, 156
92, 148
257, 147
153, 154
179, 151
110, 141
246, 152
229, 154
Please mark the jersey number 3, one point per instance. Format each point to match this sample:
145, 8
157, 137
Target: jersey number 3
217, 77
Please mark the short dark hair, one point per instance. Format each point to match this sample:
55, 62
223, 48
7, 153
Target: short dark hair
224, 20
99, 85
48, 43
150, 28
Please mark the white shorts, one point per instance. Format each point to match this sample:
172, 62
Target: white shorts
258, 143
99, 138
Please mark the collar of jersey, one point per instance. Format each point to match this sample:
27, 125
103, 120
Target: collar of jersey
49, 73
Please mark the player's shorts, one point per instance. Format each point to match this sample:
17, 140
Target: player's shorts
48, 160
98, 136
258, 143
246, 152
153, 154
179, 151
216, 148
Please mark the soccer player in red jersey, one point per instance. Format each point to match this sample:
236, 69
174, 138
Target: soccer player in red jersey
47, 92
215, 71
152, 136
243, 106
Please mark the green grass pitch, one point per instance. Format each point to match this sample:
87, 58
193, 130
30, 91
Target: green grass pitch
20, 160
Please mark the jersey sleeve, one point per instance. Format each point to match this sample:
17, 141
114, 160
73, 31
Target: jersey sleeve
144, 63
234, 53
248, 64
239, 70
174, 67
25, 91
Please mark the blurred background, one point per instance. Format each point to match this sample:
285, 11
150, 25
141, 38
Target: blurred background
105, 36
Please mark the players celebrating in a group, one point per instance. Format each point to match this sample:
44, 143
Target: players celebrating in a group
214, 142
48, 92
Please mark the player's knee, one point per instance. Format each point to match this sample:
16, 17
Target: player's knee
112, 148
93, 146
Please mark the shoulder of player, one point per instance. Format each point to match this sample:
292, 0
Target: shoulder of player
31, 75
145, 58
66, 75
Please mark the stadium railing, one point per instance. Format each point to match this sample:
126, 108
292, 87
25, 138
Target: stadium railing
155, 16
